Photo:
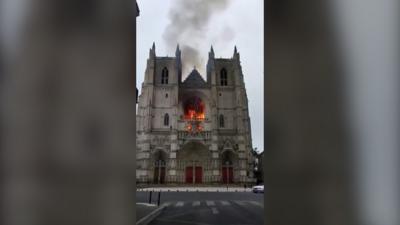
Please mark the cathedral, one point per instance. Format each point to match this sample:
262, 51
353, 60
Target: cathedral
193, 131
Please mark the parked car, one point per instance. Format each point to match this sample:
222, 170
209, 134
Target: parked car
258, 189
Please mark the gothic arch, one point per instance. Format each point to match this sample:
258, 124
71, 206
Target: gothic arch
221, 121
160, 154
166, 119
164, 76
223, 77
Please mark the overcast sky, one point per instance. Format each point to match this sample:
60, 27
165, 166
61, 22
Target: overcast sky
240, 24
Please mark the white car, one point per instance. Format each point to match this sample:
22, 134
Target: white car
258, 189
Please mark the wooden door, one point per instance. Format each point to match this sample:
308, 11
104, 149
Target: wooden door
230, 172
156, 171
198, 175
159, 173
162, 175
189, 174
227, 172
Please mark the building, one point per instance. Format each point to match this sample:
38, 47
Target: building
258, 169
193, 130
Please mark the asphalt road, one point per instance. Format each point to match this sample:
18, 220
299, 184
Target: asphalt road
208, 208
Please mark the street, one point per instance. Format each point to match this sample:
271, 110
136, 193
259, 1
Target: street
207, 208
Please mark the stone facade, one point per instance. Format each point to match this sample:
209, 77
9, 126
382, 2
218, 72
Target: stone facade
196, 130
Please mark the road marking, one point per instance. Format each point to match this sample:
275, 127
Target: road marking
242, 203
146, 204
225, 203
210, 203
179, 204
214, 210
196, 203
256, 203
167, 203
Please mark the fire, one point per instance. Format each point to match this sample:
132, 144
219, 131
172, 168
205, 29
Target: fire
193, 115
194, 109
194, 126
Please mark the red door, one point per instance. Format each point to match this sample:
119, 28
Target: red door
227, 172
189, 174
198, 175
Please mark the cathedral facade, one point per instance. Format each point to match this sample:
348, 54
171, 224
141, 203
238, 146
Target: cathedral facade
194, 130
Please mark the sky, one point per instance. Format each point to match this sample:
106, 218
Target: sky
239, 22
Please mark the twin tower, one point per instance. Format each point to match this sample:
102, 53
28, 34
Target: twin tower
194, 130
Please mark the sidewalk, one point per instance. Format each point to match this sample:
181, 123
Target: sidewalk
145, 212
195, 189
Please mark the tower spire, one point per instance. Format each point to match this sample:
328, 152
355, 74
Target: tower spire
211, 53
177, 51
236, 54
152, 52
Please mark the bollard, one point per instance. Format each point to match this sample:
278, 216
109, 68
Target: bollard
150, 197
159, 196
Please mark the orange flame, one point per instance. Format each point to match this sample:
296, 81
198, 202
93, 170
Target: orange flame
193, 115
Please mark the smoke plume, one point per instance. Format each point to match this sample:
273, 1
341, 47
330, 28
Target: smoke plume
189, 20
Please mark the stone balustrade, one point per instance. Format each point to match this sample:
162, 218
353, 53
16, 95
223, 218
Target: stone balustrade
202, 135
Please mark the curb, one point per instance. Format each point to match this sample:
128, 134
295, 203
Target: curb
147, 219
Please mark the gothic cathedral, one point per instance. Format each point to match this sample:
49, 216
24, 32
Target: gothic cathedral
193, 131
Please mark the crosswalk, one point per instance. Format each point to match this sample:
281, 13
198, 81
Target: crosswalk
179, 204
213, 204
225, 203
210, 203
196, 203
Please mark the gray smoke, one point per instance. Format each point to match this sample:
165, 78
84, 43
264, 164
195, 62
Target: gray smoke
189, 20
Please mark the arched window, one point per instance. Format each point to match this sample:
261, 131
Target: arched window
164, 76
224, 77
166, 119
221, 121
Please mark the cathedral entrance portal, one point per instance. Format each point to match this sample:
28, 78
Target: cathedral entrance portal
194, 175
227, 166
159, 167
193, 159
227, 174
